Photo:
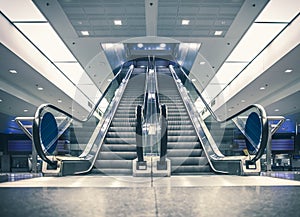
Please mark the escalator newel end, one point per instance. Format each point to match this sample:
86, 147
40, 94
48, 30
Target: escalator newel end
250, 164
141, 165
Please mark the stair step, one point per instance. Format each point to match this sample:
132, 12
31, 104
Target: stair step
179, 127
181, 122
128, 134
177, 161
182, 138
190, 169
113, 164
119, 148
184, 152
121, 129
184, 145
117, 155
182, 132
120, 140
122, 124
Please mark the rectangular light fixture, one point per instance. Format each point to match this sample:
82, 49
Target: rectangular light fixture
85, 33
228, 72
218, 33
185, 22
279, 11
21, 11
45, 38
118, 22
71, 70
256, 38
13, 71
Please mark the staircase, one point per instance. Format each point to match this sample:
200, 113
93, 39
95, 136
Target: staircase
184, 149
119, 148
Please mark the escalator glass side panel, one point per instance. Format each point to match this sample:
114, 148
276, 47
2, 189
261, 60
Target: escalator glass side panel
75, 135
242, 134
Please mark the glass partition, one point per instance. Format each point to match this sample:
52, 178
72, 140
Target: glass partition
242, 134
58, 133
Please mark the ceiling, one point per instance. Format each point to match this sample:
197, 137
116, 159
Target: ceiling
216, 25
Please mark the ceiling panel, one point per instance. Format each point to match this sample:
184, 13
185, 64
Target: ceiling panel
98, 17
205, 17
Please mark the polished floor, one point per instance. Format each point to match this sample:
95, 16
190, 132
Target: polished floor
206, 195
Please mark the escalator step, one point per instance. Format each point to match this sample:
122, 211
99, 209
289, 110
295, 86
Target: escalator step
117, 155
127, 134
120, 140
184, 145
121, 129
182, 132
184, 153
190, 169
182, 138
177, 161
113, 164
119, 148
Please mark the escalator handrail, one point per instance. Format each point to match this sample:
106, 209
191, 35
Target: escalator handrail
144, 106
156, 90
36, 121
125, 82
262, 111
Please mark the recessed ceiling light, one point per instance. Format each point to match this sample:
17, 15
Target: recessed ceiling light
140, 45
0, 100
109, 80
25, 110
288, 70
13, 71
40, 88
262, 88
59, 101
276, 110
163, 45
185, 22
85, 33
218, 32
202, 63
243, 100
193, 79
118, 22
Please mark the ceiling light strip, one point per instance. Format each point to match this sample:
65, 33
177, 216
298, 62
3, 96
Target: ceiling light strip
35, 27
238, 74
18, 43
284, 41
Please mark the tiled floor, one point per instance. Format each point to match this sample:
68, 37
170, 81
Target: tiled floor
207, 195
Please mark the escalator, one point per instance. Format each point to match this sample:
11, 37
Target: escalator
191, 144
119, 147
184, 148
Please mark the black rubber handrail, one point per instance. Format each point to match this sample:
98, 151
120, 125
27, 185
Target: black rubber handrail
164, 133
36, 121
138, 134
262, 112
